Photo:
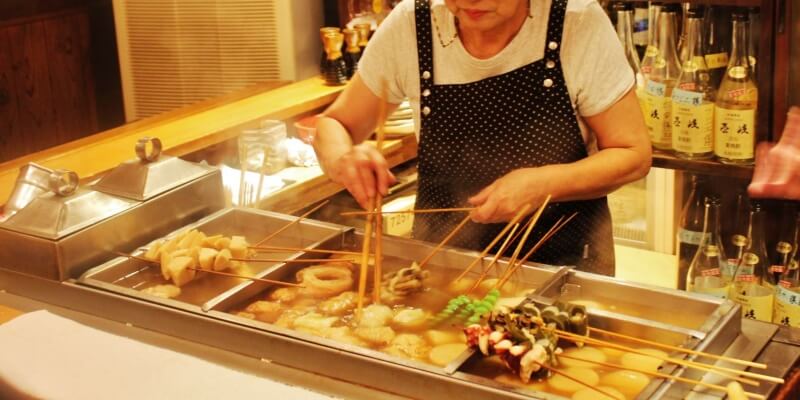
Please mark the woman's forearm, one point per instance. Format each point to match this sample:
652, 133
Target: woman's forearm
331, 142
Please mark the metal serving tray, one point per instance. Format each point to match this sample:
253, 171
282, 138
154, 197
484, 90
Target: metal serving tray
71, 255
130, 276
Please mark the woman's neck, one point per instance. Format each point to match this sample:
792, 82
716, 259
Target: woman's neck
483, 44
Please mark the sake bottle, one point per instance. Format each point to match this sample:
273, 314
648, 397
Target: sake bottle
737, 101
748, 287
662, 79
651, 51
640, 27
705, 275
782, 253
787, 295
624, 12
690, 230
693, 98
717, 42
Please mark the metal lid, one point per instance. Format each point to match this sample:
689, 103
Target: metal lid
150, 174
65, 209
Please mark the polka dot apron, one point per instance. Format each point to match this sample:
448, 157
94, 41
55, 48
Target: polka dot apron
475, 133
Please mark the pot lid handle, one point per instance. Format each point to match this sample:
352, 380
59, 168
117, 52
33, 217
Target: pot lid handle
63, 182
155, 149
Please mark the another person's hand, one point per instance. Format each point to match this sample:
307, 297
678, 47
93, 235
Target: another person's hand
503, 199
364, 172
777, 170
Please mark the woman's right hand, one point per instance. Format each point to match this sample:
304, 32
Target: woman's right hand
363, 171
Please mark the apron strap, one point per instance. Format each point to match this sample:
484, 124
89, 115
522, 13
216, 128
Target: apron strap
422, 19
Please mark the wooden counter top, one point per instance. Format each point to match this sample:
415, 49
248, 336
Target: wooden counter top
182, 131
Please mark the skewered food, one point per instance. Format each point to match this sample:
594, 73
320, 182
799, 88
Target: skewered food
322, 281
181, 255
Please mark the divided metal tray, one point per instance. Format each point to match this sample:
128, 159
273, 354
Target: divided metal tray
712, 329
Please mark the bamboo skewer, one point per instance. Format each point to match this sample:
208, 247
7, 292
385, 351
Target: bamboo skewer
275, 249
147, 260
420, 211
679, 349
574, 379
719, 370
362, 277
531, 224
550, 233
249, 278
496, 257
290, 261
287, 226
661, 375
379, 135
488, 248
444, 241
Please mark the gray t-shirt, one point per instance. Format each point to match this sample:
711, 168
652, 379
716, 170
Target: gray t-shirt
595, 69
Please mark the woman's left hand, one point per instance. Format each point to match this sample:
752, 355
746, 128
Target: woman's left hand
503, 199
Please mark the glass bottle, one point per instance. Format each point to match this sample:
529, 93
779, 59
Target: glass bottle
737, 101
624, 12
683, 42
787, 294
755, 30
717, 42
324, 57
705, 275
334, 68
662, 79
352, 53
693, 98
652, 39
748, 286
640, 27
782, 253
691, 228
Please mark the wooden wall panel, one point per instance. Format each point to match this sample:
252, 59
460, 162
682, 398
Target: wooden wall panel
9, 117
37, 118
67, 44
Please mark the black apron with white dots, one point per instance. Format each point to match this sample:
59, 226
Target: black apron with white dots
475, 133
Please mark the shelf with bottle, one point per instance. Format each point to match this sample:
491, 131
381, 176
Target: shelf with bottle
698, 82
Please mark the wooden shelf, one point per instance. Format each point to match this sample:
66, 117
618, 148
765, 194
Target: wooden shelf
706, 167
738, 3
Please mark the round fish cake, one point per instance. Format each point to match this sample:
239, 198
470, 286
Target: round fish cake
562, 384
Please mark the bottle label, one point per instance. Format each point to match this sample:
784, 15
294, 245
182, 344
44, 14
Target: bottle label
711, 272
689, 237
756, 302
717, 60
659, 108
692, 122
745, 278
787, 307
779, 269
721, 292
735, 133
729, 268
785, 284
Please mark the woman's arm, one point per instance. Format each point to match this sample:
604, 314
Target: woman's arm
777, 171
624, 156
343, 127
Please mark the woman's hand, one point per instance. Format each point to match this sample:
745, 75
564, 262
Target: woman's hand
363, 171
503, 199
777, 171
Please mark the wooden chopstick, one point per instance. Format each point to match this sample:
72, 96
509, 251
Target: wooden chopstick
268, 249
488, 248
660, 375
306, 214
678, 349
722, 371
574, 379
213, 272
444, 241
362, 278
421, 211
531, 224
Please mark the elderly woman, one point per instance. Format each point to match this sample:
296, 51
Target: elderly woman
514, 100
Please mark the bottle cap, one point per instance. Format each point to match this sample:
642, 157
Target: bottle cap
326, 29
696, 11
332, 41
623, 6
351, 37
